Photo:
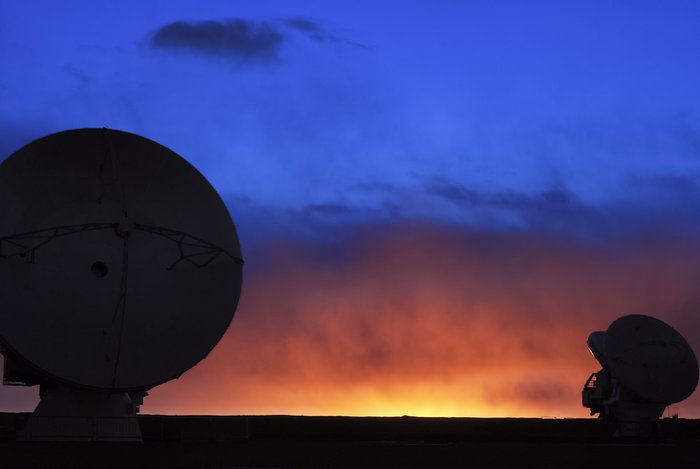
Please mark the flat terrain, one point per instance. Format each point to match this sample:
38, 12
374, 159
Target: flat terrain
289, 442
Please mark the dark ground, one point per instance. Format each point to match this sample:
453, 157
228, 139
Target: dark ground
284, 441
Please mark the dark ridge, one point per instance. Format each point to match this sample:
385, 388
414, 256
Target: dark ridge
293, 441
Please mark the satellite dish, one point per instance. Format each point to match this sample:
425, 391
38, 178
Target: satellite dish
647, 365
651, 359
120, 266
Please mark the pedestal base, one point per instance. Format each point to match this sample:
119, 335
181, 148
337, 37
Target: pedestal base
72, 414
638, 428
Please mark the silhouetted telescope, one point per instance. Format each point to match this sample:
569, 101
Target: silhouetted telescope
120, 269
647, 365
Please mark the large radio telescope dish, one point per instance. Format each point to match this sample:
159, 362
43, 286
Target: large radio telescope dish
120, 265
651, 358
647, 365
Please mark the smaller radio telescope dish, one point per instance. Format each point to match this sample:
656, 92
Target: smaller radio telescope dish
120, 269
647, 365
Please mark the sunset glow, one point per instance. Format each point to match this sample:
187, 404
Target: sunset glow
410, 320
436, 202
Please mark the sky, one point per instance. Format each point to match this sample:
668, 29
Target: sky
437, 201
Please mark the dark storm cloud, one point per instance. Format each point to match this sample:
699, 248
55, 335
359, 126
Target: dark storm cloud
553, 197
375, 186
312, 29
237, 39
654, 205
259, 222
650, 205
328, 209
320, 214
240, 39
78, 74
452, 192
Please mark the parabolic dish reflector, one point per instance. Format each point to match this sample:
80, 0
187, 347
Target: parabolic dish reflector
651, 359
120, 266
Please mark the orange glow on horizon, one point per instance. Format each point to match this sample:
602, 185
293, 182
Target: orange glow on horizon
433, 322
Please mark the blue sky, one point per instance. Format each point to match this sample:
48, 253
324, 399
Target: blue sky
336, 121
501, 114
